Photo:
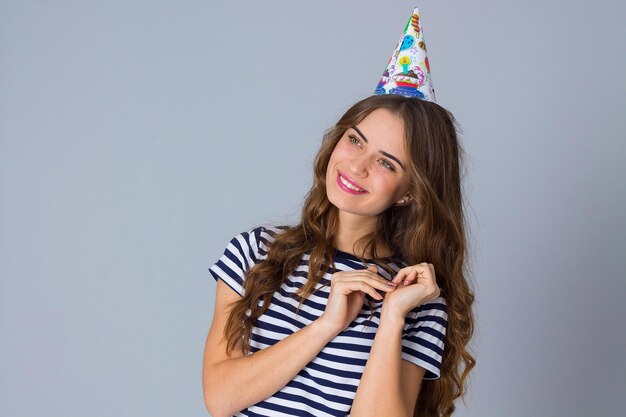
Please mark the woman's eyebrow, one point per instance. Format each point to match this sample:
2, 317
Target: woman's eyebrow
388, 155
360, 133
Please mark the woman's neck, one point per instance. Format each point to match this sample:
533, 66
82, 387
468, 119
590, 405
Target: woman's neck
353, 227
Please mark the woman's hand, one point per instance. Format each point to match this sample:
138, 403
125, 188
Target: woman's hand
347, 295
416, 284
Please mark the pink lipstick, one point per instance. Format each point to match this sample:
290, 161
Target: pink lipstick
349, 186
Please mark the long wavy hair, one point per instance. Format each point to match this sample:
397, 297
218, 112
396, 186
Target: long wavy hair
429, 229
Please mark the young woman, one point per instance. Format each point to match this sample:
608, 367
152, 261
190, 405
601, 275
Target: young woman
363, 308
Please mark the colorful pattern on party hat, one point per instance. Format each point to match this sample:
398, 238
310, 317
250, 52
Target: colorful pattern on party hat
408, 70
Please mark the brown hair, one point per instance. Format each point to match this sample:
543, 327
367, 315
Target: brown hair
430, 229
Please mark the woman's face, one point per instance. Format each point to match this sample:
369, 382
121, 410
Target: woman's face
368, 169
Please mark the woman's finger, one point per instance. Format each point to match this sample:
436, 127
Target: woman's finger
373, 281
428, 275
369, 276
347, 287
413, 273
428, 280
411, 277
401, 275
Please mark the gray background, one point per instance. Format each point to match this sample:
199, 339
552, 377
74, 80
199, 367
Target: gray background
137, 137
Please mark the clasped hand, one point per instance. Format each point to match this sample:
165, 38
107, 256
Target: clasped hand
411, 287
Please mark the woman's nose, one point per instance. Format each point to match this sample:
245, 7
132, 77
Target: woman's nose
358, 165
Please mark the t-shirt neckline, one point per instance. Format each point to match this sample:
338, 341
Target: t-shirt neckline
347, 255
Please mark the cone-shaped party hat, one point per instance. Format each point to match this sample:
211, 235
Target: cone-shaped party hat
408, 71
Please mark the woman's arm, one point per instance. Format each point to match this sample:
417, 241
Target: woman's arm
232, 383
390, 385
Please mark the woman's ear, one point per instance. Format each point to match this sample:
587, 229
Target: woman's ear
404, 200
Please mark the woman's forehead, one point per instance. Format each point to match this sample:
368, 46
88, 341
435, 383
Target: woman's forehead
383, 129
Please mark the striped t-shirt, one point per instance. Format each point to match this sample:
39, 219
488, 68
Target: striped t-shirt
326, 386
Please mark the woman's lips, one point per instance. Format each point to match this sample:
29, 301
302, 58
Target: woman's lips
348, 185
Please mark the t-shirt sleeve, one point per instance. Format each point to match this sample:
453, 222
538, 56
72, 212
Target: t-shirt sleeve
423, 336
242, 253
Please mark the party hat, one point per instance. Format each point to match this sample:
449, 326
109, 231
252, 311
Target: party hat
408, 70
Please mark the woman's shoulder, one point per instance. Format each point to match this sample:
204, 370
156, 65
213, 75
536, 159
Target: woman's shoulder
260, 238
435, 310
267, 232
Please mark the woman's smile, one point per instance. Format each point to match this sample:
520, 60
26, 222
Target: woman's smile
348, 185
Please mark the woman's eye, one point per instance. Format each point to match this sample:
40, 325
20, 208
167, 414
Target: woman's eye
387, 165
353, 139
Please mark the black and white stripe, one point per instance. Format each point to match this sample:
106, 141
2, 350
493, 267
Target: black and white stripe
327, 385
